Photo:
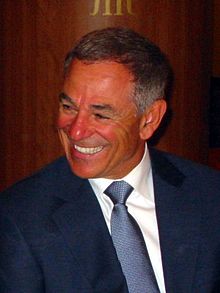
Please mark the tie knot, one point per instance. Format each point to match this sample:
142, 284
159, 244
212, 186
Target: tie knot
119, 191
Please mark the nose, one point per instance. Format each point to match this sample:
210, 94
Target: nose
80, 127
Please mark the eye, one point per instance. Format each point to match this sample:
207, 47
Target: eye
66, 107
100, 116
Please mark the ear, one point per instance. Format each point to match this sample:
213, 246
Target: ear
151, 118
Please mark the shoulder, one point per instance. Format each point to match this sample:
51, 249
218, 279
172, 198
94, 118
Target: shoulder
191, 183
41, 188
37, 181
166, 164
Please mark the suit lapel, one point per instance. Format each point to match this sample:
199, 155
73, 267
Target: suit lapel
84, 230
179, 214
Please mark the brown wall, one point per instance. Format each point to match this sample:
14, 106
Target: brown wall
216, 39
214, 152
36, 34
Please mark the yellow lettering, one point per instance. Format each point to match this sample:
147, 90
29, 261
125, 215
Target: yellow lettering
118, 7
129, 7
107, 7
96, 7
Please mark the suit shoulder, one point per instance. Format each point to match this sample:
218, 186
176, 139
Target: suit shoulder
165, 163
42, 184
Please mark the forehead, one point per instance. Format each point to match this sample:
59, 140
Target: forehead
108, 69
99, 79
99, 83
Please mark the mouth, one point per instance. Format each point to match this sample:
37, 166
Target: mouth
88, 151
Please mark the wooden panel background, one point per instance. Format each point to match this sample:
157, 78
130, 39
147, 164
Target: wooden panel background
35, 36
214, 153
216, 42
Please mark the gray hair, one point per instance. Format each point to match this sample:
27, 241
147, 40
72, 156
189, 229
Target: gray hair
144, 60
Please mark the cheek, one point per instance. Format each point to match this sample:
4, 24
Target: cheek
109, 132
122, 133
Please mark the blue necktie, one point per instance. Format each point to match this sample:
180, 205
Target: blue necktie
129, 242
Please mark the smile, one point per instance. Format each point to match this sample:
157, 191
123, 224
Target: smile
88, 151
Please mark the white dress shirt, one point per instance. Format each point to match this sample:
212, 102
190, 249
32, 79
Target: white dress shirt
141, 206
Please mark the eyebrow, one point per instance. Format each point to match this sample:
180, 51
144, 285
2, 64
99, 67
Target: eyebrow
99, 107
63, 96
102, 107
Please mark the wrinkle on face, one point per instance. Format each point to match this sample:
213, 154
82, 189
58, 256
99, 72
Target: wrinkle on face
100, 114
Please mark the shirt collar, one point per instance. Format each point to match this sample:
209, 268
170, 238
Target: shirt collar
137, 178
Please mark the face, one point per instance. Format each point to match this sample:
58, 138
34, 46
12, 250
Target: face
98, 122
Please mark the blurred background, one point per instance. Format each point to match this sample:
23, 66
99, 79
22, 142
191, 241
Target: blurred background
37, 34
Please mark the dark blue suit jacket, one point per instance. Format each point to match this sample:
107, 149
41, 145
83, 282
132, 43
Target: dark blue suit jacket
53, 237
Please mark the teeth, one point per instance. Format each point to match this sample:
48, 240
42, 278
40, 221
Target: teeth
88, 150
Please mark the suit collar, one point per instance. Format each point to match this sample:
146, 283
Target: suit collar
84, 230
162, 166
178, 209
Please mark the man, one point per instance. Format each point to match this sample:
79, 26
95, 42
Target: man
58, 227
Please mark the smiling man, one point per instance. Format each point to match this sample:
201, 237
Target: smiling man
101, 127
113, 216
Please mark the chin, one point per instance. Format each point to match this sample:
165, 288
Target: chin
82, 173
